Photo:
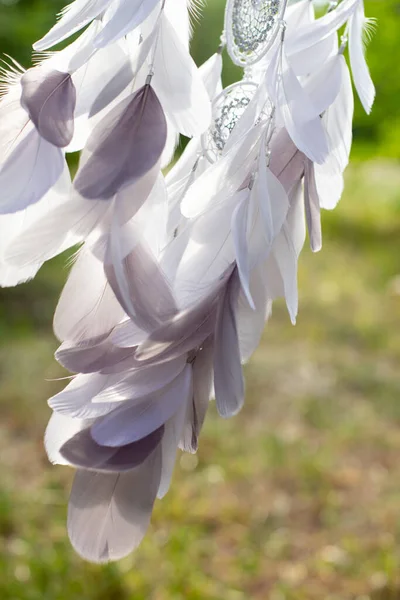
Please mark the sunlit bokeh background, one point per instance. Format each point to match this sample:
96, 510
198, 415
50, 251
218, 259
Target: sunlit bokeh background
298, 497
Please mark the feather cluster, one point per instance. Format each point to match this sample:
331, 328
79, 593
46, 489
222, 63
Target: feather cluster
175, 275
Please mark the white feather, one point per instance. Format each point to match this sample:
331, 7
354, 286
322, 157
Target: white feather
169, 445
140, 382
64, 224
14, 122
13, 232
178, 14
224, 177
258, 220
87, 307
298, 15
359, 68
286, 249
239, 226
338, 122
31, 169
210, 72
122, 17
178, 84
73, 18
251, 321
311, 59
60, 429
309, 35
76, 398
90, 80
108, 513
299, 115
324, 85
135, 420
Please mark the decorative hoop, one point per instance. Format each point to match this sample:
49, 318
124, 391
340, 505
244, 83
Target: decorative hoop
227, 109
251, 27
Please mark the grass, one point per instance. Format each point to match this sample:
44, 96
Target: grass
297, 498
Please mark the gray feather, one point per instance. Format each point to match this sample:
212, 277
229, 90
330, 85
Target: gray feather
113, 88
87, 306
228, 375
50, 98
149, 292
202, 374
137, 383
89, 357
124, 146
83, 452
108, 513
312, 207
134, 420
76, 398
287, 162
184, 332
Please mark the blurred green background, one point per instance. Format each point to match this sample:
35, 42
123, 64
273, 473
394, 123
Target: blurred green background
297, 498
